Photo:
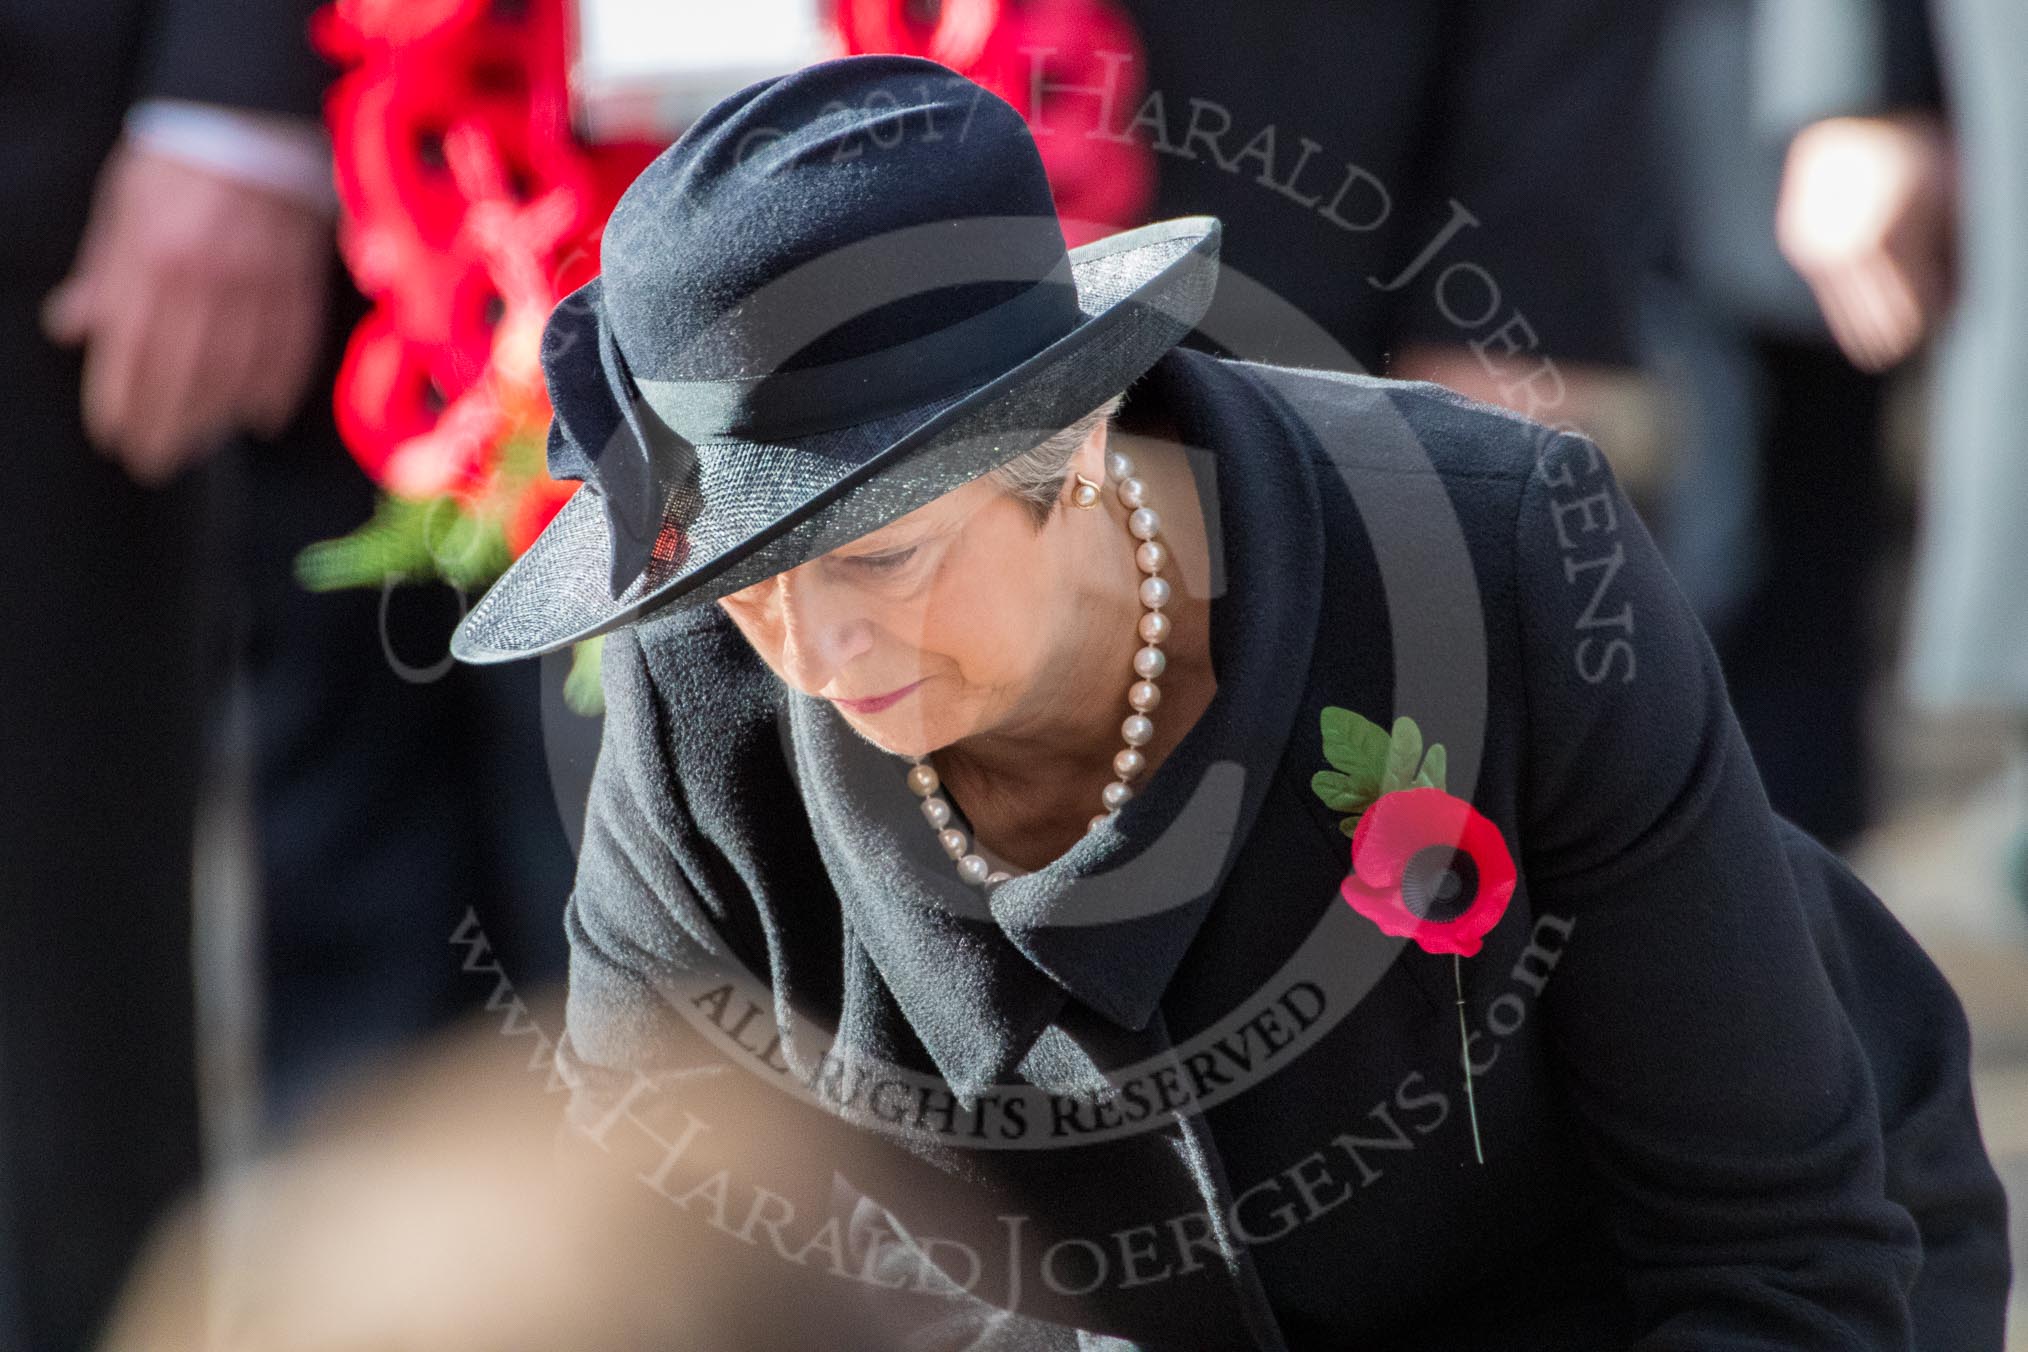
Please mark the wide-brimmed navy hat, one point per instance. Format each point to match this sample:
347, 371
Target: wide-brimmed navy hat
841, 294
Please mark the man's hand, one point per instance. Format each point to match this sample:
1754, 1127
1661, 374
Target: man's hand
199, 301
1866, 215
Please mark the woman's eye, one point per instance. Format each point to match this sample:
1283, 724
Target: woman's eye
885, 561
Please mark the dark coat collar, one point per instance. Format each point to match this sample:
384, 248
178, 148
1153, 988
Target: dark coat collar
1108, 922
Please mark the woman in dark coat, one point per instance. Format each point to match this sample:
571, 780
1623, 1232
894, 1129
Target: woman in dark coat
961, 928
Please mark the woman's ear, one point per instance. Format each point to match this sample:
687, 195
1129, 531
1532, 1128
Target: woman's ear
1090, 460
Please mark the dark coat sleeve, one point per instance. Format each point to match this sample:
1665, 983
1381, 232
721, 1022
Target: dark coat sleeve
1720, 1088
1919, 1051
252, 54
635, 926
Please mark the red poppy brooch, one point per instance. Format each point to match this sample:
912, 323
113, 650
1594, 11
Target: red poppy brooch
1426, 866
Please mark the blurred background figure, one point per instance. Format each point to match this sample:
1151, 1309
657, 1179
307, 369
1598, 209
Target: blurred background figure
167, 222
172, 310
1779, 515
1839, 326
1841, 189
1956, 235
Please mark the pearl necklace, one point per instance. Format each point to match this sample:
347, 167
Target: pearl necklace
1142, 696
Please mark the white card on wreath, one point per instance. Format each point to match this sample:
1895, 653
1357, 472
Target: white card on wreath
646, 69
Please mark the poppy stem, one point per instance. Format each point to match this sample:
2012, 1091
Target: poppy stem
1465, 1056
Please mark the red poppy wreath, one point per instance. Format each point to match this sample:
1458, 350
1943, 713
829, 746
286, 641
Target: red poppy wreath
1427, 866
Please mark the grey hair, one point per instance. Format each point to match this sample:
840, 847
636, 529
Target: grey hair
1035, 477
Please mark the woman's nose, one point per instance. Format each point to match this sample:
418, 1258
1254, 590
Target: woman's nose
821, 631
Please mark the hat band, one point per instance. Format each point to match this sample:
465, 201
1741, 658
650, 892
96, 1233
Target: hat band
950, 361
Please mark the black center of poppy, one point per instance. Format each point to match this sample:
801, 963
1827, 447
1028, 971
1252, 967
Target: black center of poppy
1439, 883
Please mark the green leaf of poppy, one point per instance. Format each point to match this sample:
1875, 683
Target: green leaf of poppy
1357, 747
1338, 791
1404, 754
1349, 824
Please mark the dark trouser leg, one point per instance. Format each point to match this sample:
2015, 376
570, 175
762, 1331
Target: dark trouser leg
102, 679
361, 841
393, 793
1799, 654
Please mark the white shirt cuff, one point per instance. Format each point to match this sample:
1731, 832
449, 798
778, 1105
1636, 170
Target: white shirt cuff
290, 155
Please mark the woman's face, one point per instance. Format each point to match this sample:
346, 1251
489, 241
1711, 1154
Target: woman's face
952, 611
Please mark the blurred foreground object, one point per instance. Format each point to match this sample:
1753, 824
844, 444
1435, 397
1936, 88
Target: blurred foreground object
429, 1210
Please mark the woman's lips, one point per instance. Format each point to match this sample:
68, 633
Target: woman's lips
877, 703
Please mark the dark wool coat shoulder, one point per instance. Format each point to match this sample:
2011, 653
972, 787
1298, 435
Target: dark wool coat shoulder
1171, 1091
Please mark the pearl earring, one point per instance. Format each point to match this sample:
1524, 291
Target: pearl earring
1086, 494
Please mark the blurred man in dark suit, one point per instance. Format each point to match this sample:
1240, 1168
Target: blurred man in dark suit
1781, 515
168, 258
172, 312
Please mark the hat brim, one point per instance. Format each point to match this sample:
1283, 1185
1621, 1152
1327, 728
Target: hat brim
746, 510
